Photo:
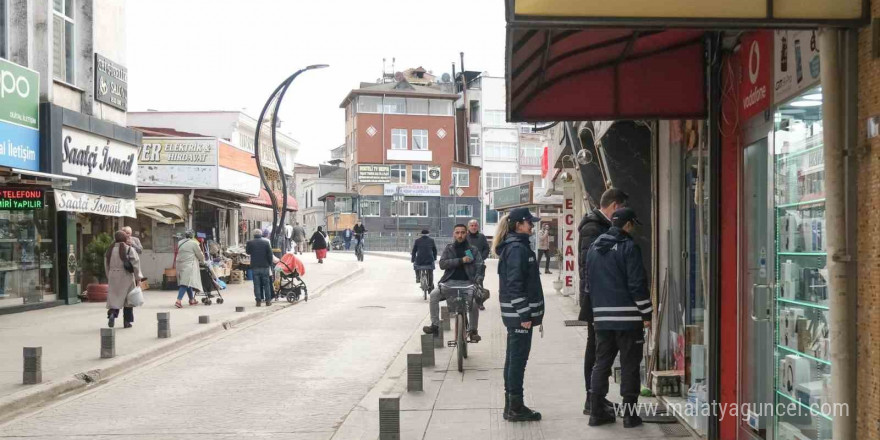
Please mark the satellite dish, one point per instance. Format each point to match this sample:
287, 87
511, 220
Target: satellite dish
446, 78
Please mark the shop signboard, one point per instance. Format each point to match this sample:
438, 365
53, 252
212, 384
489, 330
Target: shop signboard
178, 163
94, 204
796, 63
434, 175
20, 199
415, 189
90, 155
569, 240
374, 173
19, 116
755, 89
111, 83
513, 196
238, 182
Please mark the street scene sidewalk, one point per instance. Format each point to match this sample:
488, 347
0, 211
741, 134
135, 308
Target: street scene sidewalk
70, 339
468, 405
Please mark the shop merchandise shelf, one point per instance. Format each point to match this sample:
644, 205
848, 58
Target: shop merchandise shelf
802, 303
17, 240
801, 204
803, 254
7, 268
812, 358
799, 403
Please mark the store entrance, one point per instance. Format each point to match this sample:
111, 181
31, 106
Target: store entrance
755, 293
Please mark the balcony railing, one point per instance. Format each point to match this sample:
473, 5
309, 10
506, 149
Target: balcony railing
530, 161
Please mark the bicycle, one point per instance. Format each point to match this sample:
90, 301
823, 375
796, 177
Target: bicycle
424, 284
359, 250
460, 307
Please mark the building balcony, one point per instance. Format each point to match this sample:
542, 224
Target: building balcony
529, 162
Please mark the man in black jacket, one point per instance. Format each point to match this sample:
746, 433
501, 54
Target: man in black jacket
594, 224
260, 251
359, 232
479, 241
622, 308
424, 254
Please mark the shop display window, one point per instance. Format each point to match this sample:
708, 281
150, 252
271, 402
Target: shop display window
27, 265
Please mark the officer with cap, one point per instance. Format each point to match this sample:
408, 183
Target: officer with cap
622, 308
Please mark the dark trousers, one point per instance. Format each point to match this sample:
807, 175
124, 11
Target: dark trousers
519, 344
262, 284
430, 276
629, 343
589, 355
541, 254
127, 314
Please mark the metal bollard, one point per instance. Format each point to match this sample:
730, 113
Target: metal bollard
427, 350
33, 365
239, 309
414, 372
108, 343
438, 339
444, 318
164, 324
204, 319
389, 418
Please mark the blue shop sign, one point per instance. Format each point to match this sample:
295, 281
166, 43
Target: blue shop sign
19, 116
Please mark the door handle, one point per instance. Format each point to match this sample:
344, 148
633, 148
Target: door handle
755, 288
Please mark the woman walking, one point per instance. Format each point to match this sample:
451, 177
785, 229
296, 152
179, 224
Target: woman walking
522, 305
121, 264
319, 244
189, 256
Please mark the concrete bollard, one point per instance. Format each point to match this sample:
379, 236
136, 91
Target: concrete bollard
444, 318
204, 319
389, 418
414, 372
33, 365
164, 324
108, 343
427, 350
438, 339
239, 309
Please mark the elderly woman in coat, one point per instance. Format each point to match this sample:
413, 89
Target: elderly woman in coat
189, 255
120, 281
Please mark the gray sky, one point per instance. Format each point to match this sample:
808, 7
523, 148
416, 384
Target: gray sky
229, 55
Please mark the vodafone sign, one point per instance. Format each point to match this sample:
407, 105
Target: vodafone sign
756, 59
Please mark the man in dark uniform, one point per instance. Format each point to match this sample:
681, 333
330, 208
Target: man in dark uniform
594, 224
618, 287
423, 256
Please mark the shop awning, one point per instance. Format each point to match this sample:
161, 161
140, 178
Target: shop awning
162, 207
264, 200
556, 74
255, 212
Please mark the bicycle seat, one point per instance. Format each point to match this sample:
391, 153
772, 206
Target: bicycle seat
467, 287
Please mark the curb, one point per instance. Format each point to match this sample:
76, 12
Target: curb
11, 407
404, 256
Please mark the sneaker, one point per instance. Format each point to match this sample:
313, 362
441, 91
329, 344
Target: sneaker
519, 412
431, 330
474, 336
268, 302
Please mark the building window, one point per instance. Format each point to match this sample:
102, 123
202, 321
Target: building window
420, 139
417, 106
419, 174
63, 37
398, 139
246, 142
460, 210
475, 112
371, 208
343, 204
461, 177
441, 107
395, 106
491, 216
411, 209
501, 150
537, 181
474, 144
530, 154
500, 180
369, 104
398, 173
495, 118
4, 29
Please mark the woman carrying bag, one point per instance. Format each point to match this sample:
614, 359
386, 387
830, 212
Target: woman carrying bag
319, 244
121, 264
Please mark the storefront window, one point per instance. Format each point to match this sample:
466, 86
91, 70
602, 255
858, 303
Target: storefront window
27, 266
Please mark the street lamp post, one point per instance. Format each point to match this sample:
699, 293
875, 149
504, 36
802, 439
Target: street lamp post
398, 200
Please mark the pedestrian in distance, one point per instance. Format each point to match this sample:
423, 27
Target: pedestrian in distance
522, 305
122, 264
135, 243
318, 242
594, 224
622, 309
479, 241
288, 238
346, 237
423, 256
299, 237
544, 247
260, 251
189, 257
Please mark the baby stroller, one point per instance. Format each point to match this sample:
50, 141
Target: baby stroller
211, 286
288, 283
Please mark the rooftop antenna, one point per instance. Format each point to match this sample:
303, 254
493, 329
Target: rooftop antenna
382, 78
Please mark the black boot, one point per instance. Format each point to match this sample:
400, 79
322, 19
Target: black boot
111, 318
431, 330
631, 418
588, 406
600, 414
519, 412
506, 406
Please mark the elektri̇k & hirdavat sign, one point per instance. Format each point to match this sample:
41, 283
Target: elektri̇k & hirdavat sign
19, 116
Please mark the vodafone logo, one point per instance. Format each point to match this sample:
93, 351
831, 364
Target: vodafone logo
754, 61
754, 92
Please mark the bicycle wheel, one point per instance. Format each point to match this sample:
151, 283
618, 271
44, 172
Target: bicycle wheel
424, 281
464, 346
460, 341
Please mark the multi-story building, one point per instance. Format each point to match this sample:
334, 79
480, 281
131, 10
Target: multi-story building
329, 180
400, 139
303, 173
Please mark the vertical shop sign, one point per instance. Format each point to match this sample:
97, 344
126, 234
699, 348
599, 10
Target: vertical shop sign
796, 62
568, 241
756, 81
19, 116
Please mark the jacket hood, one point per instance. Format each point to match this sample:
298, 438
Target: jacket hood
606, 241
512, 237
595, 216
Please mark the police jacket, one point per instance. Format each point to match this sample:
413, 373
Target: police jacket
424, 251
592, 226
617, 283
449, 261
520, 293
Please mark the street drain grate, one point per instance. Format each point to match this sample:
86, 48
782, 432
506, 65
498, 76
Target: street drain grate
675, 430
371, 307
575, 323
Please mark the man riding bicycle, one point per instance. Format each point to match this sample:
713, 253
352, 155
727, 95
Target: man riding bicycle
424, 253
359, 232
462, 265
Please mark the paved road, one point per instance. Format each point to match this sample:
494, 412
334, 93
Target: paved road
295, 375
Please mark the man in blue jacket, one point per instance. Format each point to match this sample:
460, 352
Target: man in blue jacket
622, 308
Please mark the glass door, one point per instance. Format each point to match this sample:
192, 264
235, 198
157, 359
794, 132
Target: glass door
755, 320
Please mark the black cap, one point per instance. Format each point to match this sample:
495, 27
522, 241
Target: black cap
521, 214
425, 232
624, 215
